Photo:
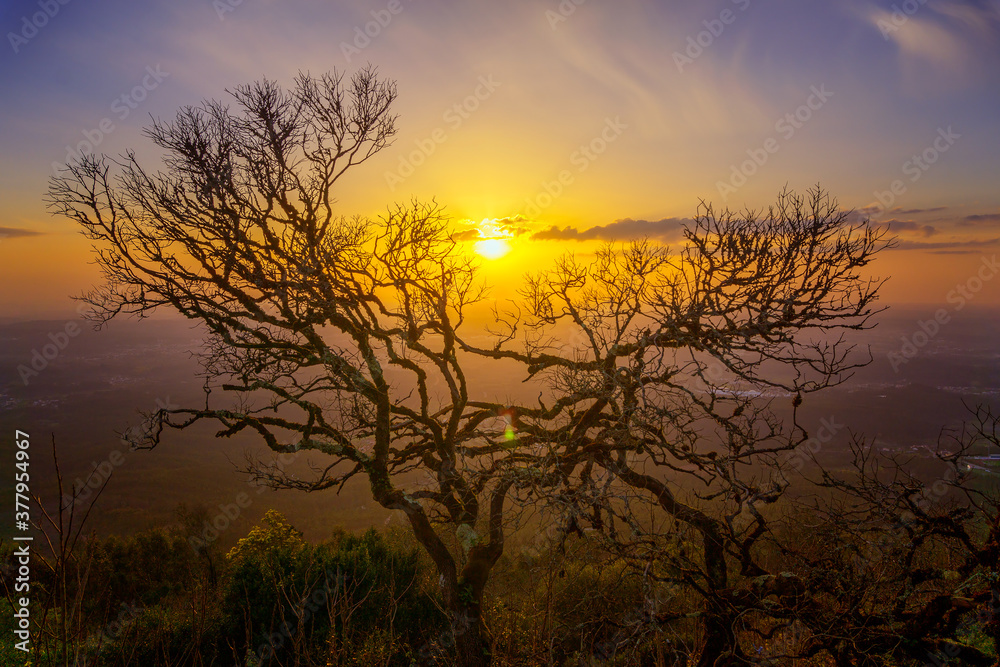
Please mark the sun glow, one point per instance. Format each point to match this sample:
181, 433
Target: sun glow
492, 243
492, 248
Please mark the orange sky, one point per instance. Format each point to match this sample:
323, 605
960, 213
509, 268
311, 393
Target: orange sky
596, 123
41, 273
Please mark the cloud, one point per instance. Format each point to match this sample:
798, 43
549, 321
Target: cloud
918, 211
980, 18
953, 247
17, 232
466, 235
667, 229
970, 220
506, 228
940, 44
512, 225
876, 211
931, 43
910, 226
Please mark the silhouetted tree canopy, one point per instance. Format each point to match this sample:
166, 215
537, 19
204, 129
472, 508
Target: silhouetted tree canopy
663, 380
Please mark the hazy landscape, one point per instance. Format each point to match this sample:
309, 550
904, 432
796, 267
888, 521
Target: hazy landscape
100, 383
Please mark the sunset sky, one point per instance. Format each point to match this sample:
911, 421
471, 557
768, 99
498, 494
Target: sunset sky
565, 123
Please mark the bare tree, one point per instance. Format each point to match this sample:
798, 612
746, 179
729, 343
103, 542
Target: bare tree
324, 332
904, 565
66, 563
666, 399
345, 337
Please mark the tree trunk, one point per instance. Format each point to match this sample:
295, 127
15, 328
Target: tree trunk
472, 646
466, 636
462, 592
721, 645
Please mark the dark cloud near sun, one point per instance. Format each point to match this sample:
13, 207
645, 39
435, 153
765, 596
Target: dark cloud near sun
466, 235
515, 225
507, 228
667, 229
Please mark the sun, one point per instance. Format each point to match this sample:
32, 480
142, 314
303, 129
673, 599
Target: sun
493, 240
492, 248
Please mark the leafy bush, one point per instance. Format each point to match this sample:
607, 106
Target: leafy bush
289, 602
146, 568
355, 600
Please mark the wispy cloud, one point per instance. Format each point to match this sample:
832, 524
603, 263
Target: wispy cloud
16, 232
667, 229
919, 211
940, 44
951, 246
979, 219
910, 226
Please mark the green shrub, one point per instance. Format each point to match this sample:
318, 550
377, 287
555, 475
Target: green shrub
325, 603
355, 600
